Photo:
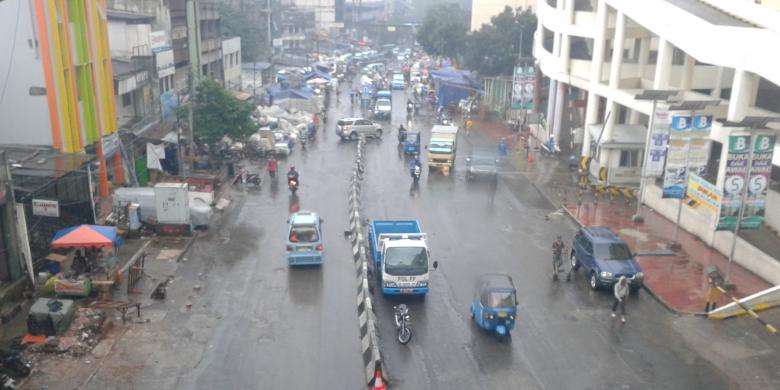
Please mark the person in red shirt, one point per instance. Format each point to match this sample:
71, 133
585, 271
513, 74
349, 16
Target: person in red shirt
272, 166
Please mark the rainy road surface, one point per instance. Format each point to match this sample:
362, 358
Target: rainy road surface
257, 324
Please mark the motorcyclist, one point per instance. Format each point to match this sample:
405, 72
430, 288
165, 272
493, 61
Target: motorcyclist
415, 164
409, 107
292, 174
401, 133
557, 249
272, 166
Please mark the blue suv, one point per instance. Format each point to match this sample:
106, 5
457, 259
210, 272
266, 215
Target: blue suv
605, 258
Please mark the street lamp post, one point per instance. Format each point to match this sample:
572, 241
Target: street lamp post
655, 95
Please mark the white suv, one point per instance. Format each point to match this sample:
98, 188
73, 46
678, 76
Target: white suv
352, 128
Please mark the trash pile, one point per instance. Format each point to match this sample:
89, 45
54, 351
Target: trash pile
84, 333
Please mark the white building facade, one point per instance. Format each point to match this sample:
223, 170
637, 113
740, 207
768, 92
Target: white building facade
324, 12
599, 54
231, 62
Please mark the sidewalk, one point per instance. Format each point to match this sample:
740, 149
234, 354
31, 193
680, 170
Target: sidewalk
677, 280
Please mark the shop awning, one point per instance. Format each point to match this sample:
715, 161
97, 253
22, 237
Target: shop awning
86, 236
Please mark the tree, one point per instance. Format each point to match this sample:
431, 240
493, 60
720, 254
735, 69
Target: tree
217, 113
495, 47
443, 31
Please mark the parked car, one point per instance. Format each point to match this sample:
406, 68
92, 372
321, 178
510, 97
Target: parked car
352, 128
605, 258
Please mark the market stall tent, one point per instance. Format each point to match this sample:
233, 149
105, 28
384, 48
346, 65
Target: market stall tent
86, 236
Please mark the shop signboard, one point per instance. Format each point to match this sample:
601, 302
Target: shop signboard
758, 182
46, 208
164, 63
734, 182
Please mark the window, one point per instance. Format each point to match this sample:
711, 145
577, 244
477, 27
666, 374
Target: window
629, 158
127, 100
304, 233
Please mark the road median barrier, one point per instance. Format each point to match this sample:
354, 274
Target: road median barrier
375, 372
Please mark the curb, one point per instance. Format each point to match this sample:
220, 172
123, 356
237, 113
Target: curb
369, 335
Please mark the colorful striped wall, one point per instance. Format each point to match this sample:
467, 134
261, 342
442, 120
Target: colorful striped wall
73, 37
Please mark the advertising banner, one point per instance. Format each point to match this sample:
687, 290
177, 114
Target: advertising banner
758, 182
735, 180
523, 85
659, 142
703, 195
675, 175
688, 151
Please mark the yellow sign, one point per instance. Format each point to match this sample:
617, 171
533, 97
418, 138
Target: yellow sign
704, 194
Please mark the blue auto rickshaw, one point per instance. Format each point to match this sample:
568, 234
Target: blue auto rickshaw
495, 303
412, 142
304, 239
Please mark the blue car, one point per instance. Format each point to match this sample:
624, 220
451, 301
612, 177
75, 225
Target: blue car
304, 239
605, 258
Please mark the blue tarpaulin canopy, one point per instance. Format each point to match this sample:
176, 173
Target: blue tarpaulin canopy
316, 73
453, 85
280, 93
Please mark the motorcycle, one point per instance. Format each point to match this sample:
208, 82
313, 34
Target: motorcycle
416, 172
292, 183
250, 180
402, 323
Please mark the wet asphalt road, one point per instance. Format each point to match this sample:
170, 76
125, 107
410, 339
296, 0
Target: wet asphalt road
258, 324
564, 338
285, 328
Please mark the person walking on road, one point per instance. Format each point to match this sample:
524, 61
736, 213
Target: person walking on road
557, 249
621, 293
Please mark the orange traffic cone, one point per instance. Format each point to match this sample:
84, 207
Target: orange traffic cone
379, 383
530, 158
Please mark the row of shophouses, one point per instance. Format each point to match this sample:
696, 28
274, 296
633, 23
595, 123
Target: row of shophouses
84, 85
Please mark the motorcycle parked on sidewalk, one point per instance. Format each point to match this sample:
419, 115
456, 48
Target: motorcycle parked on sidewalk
402, 322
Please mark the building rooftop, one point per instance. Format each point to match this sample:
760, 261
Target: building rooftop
709, 13
133, 17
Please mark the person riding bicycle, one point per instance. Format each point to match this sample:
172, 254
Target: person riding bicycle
557, 249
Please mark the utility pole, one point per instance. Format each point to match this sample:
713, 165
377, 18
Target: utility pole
193, 43
17, 247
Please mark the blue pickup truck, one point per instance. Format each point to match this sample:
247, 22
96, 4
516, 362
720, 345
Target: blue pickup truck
400, 253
